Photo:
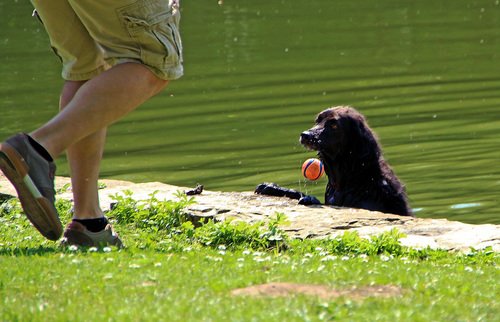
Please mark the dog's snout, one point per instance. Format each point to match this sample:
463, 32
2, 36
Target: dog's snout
307, 139
305, 136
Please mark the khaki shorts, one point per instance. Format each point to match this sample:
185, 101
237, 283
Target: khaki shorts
90, 36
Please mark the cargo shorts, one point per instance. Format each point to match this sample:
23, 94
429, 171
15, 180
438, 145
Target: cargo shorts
92, 36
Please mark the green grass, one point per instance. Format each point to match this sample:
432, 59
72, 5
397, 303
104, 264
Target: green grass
172, 271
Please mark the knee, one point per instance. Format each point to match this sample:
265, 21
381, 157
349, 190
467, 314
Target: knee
159, 85
68, 92
156, 84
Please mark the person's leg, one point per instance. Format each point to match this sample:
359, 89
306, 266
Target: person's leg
94, 105
84, 155
89, 225
84, 159
98, 103
95, 96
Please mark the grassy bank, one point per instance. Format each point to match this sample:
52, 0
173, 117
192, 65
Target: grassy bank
172, 271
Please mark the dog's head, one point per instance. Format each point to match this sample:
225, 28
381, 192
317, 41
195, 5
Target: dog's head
340, 132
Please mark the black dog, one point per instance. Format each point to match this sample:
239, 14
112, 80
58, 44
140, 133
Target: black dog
358, 175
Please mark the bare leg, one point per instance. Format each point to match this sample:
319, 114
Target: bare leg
98, 103
84, 159
87, 108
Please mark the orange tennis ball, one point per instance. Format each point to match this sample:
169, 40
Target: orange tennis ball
313, 169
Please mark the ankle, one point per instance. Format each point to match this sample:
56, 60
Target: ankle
94, 224
40, 149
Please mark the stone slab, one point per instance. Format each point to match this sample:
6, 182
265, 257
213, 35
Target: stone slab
317, 221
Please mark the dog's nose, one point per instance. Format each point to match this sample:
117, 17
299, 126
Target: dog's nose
305, 136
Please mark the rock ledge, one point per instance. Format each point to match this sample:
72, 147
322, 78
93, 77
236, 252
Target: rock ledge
305, 221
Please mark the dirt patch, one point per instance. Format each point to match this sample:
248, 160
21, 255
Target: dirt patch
321, 291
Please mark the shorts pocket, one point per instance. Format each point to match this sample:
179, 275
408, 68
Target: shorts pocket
153, 26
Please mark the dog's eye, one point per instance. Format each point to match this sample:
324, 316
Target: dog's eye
334, 126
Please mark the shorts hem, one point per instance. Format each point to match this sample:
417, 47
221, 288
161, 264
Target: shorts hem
84, 76
171, 73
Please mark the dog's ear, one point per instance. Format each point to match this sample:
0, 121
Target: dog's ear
364, 139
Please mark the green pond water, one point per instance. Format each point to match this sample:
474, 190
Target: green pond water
425, 73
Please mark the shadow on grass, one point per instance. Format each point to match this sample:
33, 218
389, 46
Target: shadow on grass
30, 251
